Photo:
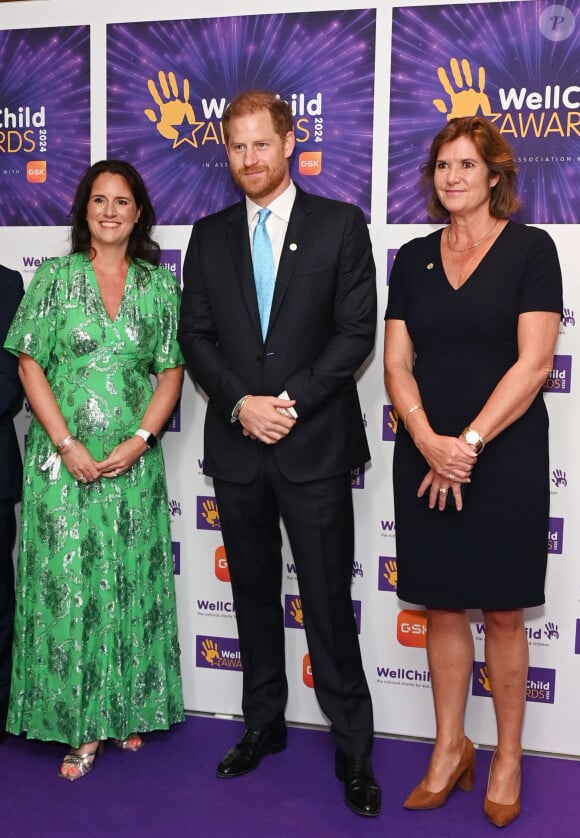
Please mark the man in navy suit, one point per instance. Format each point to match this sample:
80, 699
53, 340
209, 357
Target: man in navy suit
12, 291
284, 428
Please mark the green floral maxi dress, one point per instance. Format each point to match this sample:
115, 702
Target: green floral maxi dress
96, 652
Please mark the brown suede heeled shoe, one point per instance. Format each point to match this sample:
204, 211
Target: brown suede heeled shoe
463, 777
500, 814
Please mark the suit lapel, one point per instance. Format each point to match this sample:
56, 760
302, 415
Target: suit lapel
239, 243
291, 250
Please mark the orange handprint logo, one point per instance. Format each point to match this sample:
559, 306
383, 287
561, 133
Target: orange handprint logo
483, 679
210, 651
296, 611
174, 113
393, 422
391, 573
465, 99
210, 512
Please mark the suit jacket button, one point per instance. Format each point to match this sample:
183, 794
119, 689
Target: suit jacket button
260, 358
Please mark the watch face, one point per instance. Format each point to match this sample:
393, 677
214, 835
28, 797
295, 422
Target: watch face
151, 441
472, 437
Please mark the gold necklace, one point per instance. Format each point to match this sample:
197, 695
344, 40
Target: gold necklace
475, 244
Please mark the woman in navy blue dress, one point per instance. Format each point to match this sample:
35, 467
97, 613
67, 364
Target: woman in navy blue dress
471, 325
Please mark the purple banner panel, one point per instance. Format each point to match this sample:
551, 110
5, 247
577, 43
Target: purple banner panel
555, 535
217, 652
388, 573
171, 259
357, 477
515, 63
176, 550
390, 423
208, 517
168, 83
540, 684
44, 123
560, 379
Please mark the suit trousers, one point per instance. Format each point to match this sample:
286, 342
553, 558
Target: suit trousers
318, 517
7, 533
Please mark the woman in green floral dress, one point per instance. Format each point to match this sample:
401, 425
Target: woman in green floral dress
96, 653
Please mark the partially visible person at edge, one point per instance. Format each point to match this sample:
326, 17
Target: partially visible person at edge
96, 654
12, 290
284, 428
471, 325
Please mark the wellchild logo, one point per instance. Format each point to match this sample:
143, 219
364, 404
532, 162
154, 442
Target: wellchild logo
388, 527
218, 652
568, 318
410, 677
176, 552
577, 643
357, 570
412, 628
171, 259
559, 478
293, 616
555, 535
388, 574
174, 508
208, 517
537, 636
215, 608
357, 477
540, 684
176, 119
390, 423
174, 422
560, 379
221, 568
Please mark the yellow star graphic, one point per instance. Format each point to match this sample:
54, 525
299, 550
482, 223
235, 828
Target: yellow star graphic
192, 128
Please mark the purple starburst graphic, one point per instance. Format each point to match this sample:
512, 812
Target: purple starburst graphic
169, 82
44, 123
515, 63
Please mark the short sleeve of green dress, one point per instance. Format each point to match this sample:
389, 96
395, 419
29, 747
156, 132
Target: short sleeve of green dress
96, 653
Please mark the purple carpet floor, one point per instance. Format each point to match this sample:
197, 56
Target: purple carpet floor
169, 789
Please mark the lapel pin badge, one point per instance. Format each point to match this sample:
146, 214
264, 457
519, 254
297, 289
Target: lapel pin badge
293, 246
430, 266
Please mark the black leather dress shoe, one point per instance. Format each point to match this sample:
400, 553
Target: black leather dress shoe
362, 793
246, 755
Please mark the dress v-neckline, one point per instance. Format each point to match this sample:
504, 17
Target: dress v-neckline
97, 290
476, 267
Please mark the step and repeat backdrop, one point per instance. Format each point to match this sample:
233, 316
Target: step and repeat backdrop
369, 87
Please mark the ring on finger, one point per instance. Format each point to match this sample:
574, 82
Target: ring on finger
442, 491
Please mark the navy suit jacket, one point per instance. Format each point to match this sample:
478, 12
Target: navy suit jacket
11, 291
322, 327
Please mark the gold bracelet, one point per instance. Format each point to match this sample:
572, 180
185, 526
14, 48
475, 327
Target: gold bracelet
65, 443
412, 410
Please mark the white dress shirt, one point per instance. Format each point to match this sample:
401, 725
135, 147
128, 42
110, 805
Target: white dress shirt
277, 221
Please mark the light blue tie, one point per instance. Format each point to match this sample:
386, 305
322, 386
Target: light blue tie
263, 269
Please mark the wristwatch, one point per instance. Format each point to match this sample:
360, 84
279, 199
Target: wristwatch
149, 438
472, 437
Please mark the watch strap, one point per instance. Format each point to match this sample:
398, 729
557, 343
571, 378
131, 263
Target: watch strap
149, 439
